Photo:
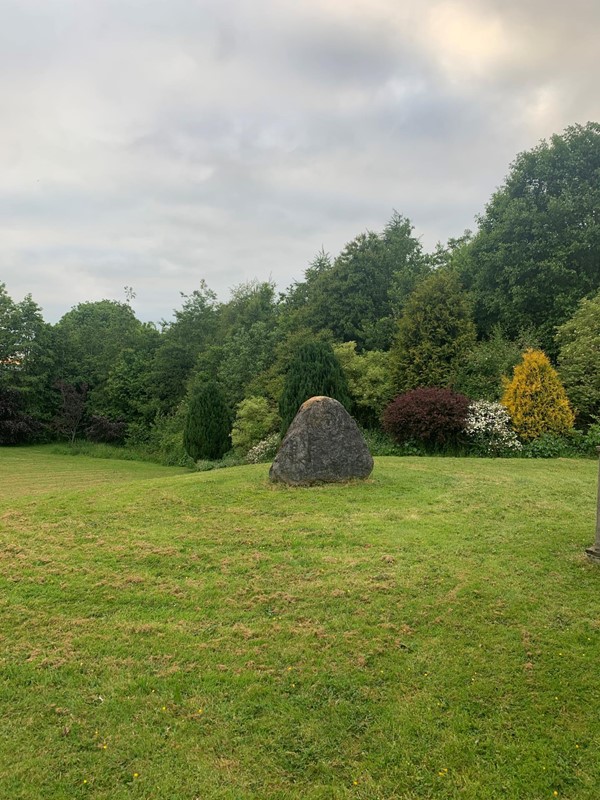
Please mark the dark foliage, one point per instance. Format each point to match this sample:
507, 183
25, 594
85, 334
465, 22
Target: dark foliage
314, 370
16, 427
207, 425
105, 430
432, 416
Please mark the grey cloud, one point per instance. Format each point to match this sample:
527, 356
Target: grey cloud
153, 144
344, 55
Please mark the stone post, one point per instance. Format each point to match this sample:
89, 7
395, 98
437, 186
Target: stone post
593, 552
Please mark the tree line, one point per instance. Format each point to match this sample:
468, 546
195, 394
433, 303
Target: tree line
393, 317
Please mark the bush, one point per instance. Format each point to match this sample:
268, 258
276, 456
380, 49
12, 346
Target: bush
369, 379
481, 370
574, 443
82, 447
591, 440
536, 400
140, 434
549, 445
229, 460
380, 443
433, 416
206, 431
16, 427
105, 431
264, 451
489, 431
165, 441
254, 421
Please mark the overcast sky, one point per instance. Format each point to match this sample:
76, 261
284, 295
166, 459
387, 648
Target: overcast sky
153, 143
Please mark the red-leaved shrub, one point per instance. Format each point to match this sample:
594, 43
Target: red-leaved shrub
432, 416
16, 427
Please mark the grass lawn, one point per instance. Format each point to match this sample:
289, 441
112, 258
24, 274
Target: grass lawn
431, 633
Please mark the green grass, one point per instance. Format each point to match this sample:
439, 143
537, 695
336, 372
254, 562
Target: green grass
431, 633
26, 472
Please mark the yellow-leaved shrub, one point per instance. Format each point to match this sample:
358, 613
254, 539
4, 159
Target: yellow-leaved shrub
536, 399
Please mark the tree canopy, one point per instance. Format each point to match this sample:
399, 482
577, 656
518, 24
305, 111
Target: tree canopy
358, 295
579, 358
537, 250
381, 317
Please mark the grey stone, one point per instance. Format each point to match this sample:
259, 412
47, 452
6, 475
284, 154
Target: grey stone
322, 445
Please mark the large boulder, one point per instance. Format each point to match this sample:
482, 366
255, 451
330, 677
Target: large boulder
322, 445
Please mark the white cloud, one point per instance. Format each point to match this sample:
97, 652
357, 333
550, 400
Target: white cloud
153, 143
469, 42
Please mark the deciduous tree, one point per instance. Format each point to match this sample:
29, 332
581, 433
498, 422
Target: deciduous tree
90, 339
72, 409
579, 358
182, 342
369, 379
537, 250
254, 421
357, 296
16, 426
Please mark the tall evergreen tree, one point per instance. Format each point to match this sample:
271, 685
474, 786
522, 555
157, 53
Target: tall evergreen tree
434, 332
314, 370
207, 424
482, 368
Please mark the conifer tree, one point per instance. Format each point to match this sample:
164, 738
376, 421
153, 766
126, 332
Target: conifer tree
314, 370
536, 399
433, 335
206, 431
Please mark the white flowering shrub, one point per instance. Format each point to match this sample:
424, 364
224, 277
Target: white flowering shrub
263, 451
489, 431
